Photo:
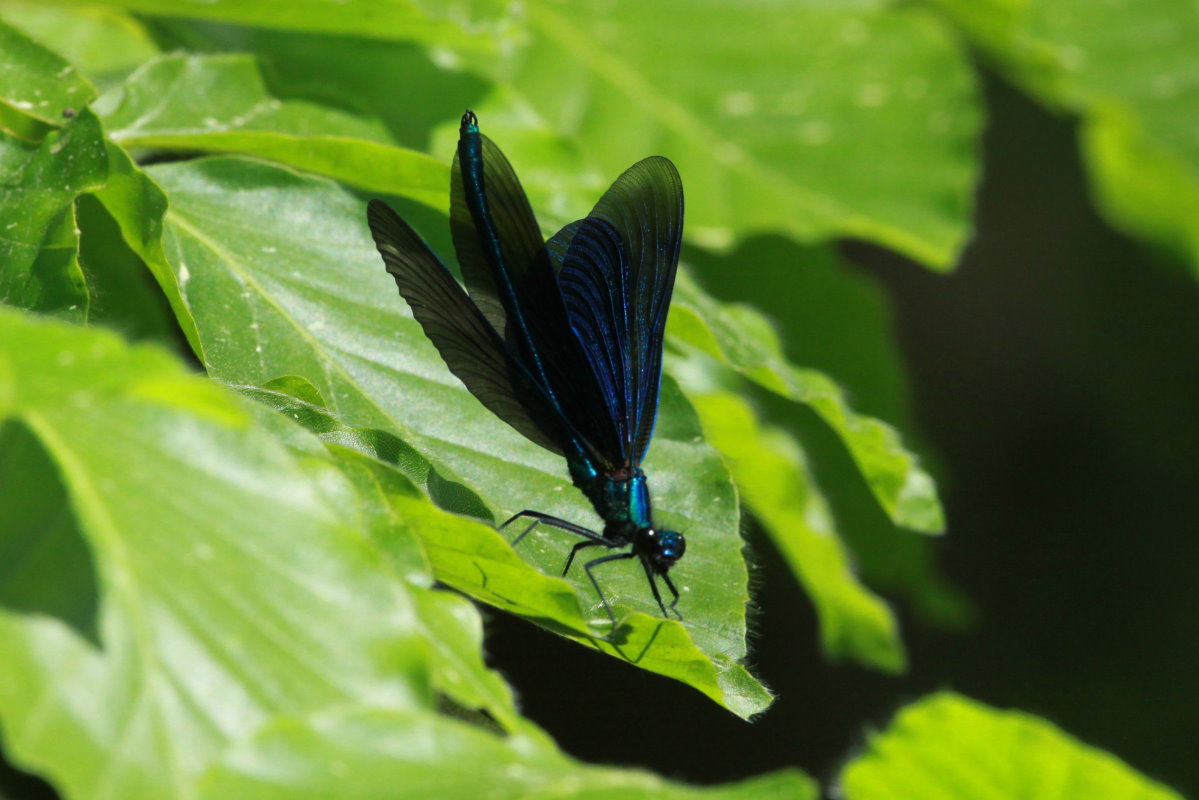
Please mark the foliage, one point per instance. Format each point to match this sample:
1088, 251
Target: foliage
230, 583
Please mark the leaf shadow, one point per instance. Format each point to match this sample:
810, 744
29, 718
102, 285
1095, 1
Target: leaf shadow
46, 565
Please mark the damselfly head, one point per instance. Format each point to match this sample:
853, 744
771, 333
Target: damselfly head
662, 547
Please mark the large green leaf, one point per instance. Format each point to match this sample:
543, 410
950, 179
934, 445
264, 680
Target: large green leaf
101, 42
820, 119
37, 82
1129, 69
743, 339
399, 754
39, 243
276, 274
214, 619
474, 558
775, 483
475, 25
817, 119
947, 746
218, 103
234, 582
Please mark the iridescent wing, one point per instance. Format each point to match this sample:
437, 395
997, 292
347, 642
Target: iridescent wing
616, 276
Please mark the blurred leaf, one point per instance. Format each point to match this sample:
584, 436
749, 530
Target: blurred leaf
830, 315
870, 133
474, 25
772, 476
39, 266
1129, 71
278, 275
234, 584
947, 746
743, 339
816, 119
834, 318
401, 754
37, 82
358, 75
218, 103
101, 42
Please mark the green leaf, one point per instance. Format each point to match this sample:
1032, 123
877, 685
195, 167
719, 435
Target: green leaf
400, 754
830, 316
743, 339
37, 82
476, 560
836, 320
1128, 69
234, 582
816, 119
39, 266
101, 42
773, 478
947, 746
279, 277
219, 103
474, 25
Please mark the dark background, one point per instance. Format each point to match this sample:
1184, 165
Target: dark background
1053, 381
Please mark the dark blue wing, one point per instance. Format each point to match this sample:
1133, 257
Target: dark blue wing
509, 274
468, 344
594, 281
616, 278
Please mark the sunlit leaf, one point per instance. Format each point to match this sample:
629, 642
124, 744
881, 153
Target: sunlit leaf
816, 119
37, 82
277, 275
219, 104
398, 754
947, 746
101, 42
233, 580
474, 25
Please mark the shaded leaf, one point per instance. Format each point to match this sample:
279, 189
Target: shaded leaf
1129, 70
